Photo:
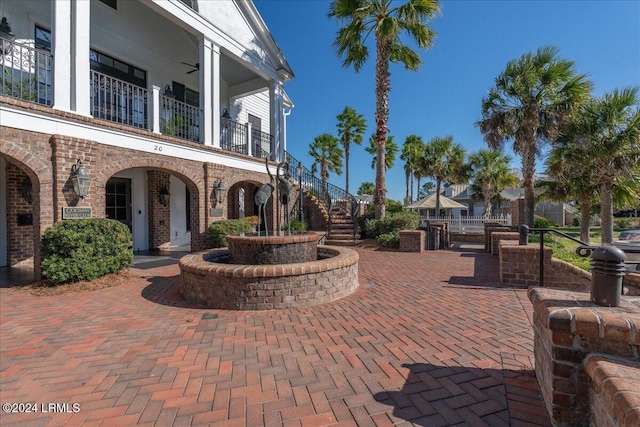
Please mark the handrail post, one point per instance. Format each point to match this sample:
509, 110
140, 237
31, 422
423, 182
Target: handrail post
524, 235
542, 258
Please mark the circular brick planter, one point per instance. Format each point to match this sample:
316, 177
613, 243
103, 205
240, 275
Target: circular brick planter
207, 279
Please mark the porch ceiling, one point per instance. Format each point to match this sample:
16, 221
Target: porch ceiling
235, 73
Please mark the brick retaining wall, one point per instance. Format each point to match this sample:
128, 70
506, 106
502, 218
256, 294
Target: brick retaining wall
502, 236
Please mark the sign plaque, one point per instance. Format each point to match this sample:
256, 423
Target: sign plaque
76, 213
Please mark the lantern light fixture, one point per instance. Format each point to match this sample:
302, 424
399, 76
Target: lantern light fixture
27, 191
219, 193
80, 179
164, 196
6, 37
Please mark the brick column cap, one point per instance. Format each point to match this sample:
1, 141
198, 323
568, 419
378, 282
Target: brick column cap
573, 312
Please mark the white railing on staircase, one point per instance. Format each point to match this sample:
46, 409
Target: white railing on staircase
467, 224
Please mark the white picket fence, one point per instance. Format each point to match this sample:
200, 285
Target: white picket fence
467, 224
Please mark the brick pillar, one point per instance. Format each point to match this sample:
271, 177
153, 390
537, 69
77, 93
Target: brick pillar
568, 327
20, 248
159, 215
517, 212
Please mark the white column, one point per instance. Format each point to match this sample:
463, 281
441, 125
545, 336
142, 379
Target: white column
61, 50
210, 93
153, 113
277, 119
215, 94
80, 29
249, 139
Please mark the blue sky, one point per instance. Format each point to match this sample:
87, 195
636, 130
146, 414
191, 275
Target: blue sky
475, 40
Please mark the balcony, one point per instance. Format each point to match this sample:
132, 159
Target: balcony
26, 72
27, 75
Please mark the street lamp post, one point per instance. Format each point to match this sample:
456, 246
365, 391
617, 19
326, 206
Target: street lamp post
299, 171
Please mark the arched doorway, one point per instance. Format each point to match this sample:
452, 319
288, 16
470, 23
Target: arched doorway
19, 223
155, 204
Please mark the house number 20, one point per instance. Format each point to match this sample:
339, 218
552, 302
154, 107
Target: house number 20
157, 147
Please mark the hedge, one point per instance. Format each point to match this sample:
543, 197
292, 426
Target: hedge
217, 232
85, 249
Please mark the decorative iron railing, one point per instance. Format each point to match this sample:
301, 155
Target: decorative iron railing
261, 144
26, 72
233, 136
118, 101
179, 119
328, 194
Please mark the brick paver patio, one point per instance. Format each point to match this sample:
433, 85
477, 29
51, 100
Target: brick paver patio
429, 339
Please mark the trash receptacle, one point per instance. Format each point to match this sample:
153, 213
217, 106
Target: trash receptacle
607, 272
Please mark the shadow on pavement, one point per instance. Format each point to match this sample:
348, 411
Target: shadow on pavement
441, 395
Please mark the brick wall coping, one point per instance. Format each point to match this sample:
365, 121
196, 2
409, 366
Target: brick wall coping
573, 312
617, 380
277, 240
205, 262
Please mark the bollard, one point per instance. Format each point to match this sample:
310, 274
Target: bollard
607, 272
524, 235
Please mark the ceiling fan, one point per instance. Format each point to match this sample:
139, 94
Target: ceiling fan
195, 67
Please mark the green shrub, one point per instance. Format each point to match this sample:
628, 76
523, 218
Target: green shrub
297, 226
370, 229
389, 240
85, 249
393, 206
540, 222
623, 223
217, 232
362, 223
391, 223
397, 221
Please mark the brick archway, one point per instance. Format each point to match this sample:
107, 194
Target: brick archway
185, 170
20, 164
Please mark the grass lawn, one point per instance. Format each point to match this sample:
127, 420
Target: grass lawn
565, 249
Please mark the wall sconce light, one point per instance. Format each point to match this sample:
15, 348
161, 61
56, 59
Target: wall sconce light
219, 193
27, 191
164, 196
80, 179
168, 92
6, 44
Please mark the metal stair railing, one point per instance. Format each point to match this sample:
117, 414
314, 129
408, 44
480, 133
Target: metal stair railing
584, 250
328, 194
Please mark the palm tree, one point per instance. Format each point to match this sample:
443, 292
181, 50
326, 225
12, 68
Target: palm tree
491, 174
351, 127
609, 130
426, 189
367, 188
530, 102
443, 161
571, 176
327, 154
362, 18
390, 150
411, 151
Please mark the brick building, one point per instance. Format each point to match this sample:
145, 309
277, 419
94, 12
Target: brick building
162, 102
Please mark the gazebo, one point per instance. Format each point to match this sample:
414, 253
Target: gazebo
427, 205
